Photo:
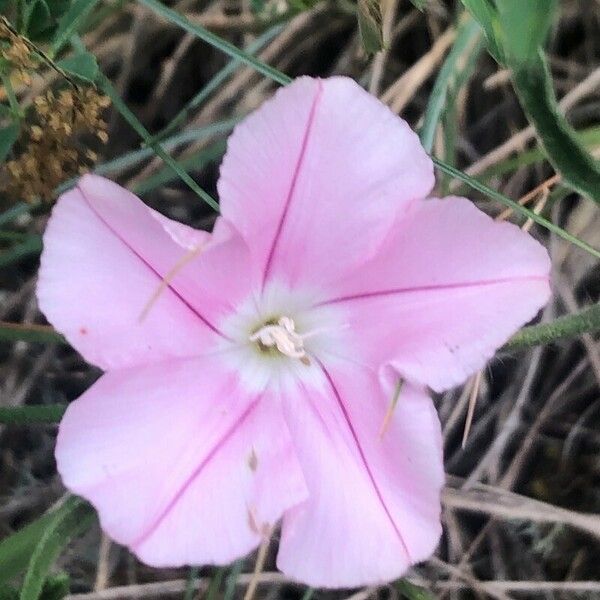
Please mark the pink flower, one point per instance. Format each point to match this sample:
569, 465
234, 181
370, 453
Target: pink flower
256, 386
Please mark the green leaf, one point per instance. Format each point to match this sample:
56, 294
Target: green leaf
37, 18
485, 13
484, 189
8, 136
72, 518
37, 413
525, 26
82, 65
216, 41
69, 23
533, 84
370, 25
410, 591
12, 332
466, 41
16, 549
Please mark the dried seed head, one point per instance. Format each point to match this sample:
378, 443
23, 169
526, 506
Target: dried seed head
51, 148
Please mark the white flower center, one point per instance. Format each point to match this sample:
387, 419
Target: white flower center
283, 336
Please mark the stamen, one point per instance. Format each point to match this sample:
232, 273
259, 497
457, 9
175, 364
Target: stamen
282, 336
168, 278
390, 412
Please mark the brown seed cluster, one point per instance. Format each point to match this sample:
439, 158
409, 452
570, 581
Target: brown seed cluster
17, 52
51, 150
58, 133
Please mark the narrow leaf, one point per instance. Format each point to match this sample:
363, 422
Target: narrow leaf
71, 519
484, 189
69, 23
533, 84
485, 13
126, 113
12, 332
466, 41
216, 41
525, 26
16, 549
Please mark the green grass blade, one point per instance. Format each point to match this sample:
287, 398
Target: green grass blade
69, 23
72, 518
196, 161
13, 332
466, 41
484, 189
127, 114
26, 415
258, 44
216, 41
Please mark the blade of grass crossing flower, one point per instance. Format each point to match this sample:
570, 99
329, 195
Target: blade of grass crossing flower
24, 415
196, 161
230, 68
484, 189
466, 41
71, 519
216, 41
126, 113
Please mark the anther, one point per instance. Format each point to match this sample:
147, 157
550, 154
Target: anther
282, 336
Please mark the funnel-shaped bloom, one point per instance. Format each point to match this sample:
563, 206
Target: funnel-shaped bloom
255, 388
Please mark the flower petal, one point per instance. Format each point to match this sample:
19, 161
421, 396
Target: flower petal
451, 284
182, 465
105, 255
314, 178
374, 502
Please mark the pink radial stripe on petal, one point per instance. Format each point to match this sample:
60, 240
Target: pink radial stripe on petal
295, 174
448, 288
314, 191
159, 275
149, 447
373, 508
93, 289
